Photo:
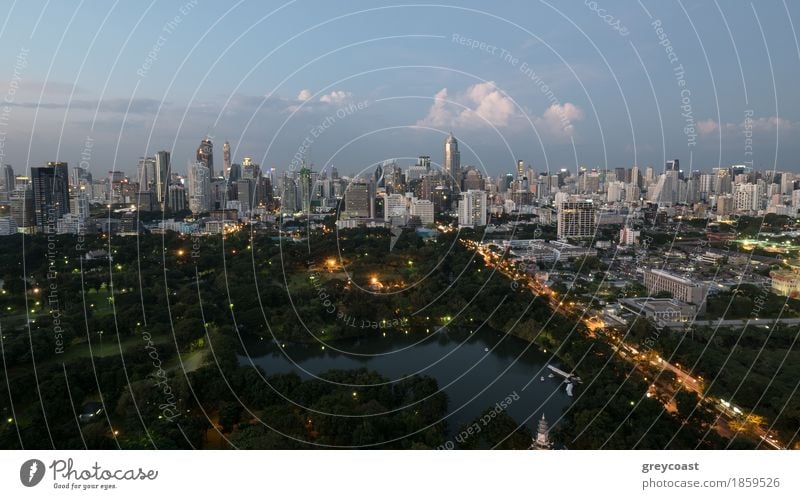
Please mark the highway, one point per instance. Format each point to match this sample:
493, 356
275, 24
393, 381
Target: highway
650, 365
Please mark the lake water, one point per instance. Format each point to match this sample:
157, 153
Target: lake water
476, 371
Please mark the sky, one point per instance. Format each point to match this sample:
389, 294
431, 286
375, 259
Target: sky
599, 84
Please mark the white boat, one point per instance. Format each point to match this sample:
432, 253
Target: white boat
542, 378
569, 389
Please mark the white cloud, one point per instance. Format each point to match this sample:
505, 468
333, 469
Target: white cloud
304, 95
771, 124
335, 97
765, 125
483, 105
480, 105
707, 127
558, 121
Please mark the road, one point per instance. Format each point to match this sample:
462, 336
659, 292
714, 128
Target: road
647, 365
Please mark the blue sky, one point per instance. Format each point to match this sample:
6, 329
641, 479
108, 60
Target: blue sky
584, 83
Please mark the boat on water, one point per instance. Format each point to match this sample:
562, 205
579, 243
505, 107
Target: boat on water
542, 378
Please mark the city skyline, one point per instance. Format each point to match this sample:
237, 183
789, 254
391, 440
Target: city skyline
511, 82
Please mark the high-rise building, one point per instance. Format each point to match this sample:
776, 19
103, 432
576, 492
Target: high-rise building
304, 186
235, 173
673, 165
520, 168
176, 199
161, 173
7, 180
22, 209
50, 194
452, 162
199, 187
288, 194
146, 173
423, 209
395, 208
226, 159
636, 177
359, 199
205, 154
245, 194
472, 208
473, 180
576, 218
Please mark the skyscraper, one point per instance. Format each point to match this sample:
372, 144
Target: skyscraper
472, 209
673, 165
50, 194
7, 178
359, 199
304, 186
226, 159
199, 184
205, 154
146, 171
452, 162
161, 173
576, 218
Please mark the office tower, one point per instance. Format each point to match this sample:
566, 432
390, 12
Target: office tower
394, 209
424, 161
22, 211
472, 209
520, 168
667, 188
205, 154
7, 179
146, 173
378, 176
288, 195
161, 174
473, 180
452, 161
360, 199
590, 182
79, 203
245, 194
787, 183
576, 218
649, 175
249, 169
116, 176
621, 174
673, 166
393, 178
423, 209
176, 199
50, 194
616, 191
226, 159
235, 173
199, 187
747, 198
304, 186
636, 177
219, 193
